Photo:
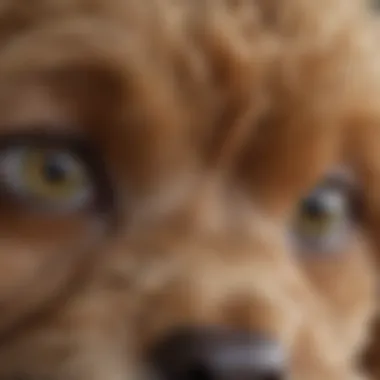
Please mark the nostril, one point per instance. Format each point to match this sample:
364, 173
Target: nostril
217, 354
272, 376
197, 371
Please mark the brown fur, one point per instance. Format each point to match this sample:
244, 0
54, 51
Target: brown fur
364, 156
186, 102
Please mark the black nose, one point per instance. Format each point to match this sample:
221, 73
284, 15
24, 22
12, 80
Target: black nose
217, 354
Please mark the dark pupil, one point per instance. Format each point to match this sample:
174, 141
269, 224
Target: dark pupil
54, 170
314, 208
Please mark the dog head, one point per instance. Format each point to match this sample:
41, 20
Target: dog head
152, 158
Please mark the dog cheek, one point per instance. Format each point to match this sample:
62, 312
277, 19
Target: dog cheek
39, 261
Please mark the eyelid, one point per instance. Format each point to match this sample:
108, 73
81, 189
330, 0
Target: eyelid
341, 179
42, 139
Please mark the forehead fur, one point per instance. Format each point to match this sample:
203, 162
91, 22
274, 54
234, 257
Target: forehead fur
219, 77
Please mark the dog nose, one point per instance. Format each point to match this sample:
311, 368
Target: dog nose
216, 354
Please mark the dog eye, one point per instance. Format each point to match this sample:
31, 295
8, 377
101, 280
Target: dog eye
323, 221
52, 179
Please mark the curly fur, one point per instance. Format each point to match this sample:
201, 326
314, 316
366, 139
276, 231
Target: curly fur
213, 119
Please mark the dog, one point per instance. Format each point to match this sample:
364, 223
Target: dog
157, 167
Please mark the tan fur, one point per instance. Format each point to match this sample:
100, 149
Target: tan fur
363, 153
213, 119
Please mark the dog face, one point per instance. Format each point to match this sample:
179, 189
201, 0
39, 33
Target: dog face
152, 159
